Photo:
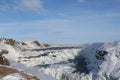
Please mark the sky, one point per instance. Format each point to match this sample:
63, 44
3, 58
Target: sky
60, 21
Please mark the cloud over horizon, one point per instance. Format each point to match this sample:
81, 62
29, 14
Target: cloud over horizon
60, 21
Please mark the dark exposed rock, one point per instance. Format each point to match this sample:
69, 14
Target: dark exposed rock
23, 43
10, 42
118, 55
81, 65
54, 55
4, 61
3, 52
46, 45
100, 55
37, 43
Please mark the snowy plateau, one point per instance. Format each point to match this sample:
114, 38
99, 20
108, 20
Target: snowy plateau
32, 60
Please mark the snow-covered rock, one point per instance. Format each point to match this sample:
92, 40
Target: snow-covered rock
97, 61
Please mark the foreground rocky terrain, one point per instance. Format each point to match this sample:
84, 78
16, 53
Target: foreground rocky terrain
32, 60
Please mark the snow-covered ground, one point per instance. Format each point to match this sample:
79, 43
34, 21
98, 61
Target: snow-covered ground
97, 61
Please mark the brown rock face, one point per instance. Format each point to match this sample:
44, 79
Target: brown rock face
10, 42
4, 71
37, 43
4, 61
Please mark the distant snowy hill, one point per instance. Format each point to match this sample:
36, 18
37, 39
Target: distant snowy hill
32, 60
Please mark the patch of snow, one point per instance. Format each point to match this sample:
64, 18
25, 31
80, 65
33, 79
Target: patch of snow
14, 76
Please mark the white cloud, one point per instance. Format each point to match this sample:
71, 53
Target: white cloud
23, 5
30, 5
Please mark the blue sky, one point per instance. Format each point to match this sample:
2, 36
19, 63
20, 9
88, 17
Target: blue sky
60, 21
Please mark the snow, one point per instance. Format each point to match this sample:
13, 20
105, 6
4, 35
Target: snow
14, 76
31, 70
108, 67
32, 45
65, 62
13, 55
